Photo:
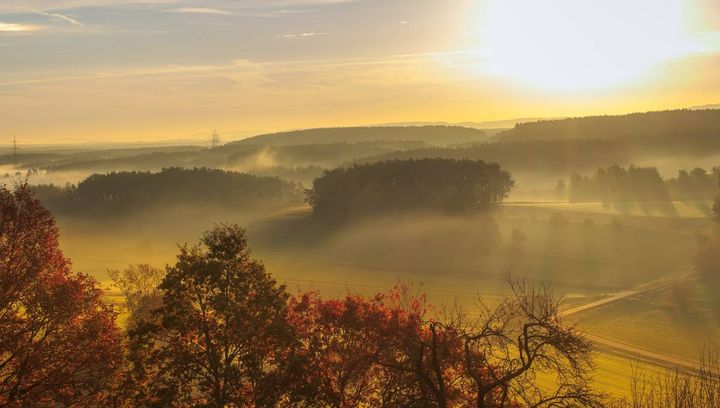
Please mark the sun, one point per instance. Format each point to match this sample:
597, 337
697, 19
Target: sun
580, 44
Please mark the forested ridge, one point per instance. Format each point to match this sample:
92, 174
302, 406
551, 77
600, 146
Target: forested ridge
661, 123
430, 134
122, 192
563, 156
553, 147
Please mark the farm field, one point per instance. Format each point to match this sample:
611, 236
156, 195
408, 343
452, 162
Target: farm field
659, 321
580, 253
682, 209
586, 255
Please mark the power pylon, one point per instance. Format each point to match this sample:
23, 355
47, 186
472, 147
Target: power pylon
215, 139
14, 151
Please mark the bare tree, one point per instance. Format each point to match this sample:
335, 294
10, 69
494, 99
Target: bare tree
675, 388
517, 353
515, 347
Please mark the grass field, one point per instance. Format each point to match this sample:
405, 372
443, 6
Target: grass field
683, 209
654, 321
613, 373
583, 252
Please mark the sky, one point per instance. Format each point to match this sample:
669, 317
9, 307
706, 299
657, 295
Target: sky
141, 70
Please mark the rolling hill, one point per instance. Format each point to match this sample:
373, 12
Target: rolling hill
434, 135
662, 123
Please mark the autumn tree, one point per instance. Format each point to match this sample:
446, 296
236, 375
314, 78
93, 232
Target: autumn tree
219, 337
428, 356
139, 286
349, 349
59, 345
226, 334
389, 351
380, 351
493, 357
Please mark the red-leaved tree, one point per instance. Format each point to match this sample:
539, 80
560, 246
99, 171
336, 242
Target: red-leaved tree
341, 343
380, 351
226, 334
59, 344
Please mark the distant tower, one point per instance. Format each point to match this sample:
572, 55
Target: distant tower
215, 139
14, 151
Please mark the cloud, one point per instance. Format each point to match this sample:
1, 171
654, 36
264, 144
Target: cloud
202, 10
260, 72
22, 6
241, 93
25, 6
290, 12
17, 28
301, 36
62, 17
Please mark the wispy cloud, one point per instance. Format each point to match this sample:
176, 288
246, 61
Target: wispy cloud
307, 89
17, 28
22, 6
202, 10
26, 6
61, 17
290, 12
301, 36
233, 66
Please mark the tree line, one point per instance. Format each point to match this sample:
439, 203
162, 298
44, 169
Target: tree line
441, 185
617, 184
707, 259
124, 192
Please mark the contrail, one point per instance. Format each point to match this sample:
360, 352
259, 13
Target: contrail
62, 17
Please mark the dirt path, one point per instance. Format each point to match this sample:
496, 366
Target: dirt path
646, 287
629, 350
637, 353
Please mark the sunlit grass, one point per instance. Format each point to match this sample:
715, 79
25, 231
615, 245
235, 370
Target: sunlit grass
583, 260
653, 322
683, 209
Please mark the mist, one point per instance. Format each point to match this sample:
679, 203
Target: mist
626, 245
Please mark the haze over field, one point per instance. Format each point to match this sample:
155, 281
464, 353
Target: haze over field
360, 203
